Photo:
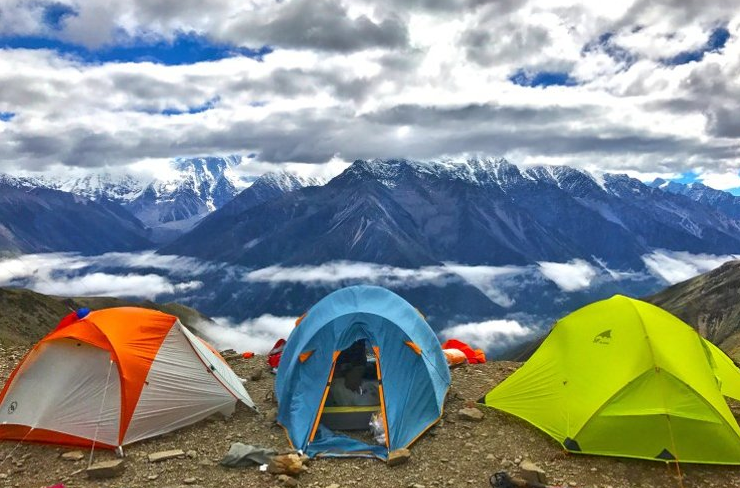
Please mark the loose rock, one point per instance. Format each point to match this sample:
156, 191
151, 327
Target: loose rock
399, 456
157, 457
105, 469
288, 481
470, 413
532, 473
73, 456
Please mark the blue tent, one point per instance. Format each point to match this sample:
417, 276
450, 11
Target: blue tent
413, 372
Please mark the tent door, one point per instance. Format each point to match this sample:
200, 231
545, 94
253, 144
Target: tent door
381, 394
316, 421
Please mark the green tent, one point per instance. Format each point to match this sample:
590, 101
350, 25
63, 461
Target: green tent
621, 377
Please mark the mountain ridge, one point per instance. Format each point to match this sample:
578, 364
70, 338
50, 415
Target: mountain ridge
486, 212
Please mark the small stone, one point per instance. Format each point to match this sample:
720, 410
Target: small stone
593, 470
398, 457
289, 464
288, 481
105, 469
271, 415
416, 485
152, 477
192, 454
190, 481
157, 457
470, 413
490, 457
256, 375
73, 456
333, 485
532, 473
572, 483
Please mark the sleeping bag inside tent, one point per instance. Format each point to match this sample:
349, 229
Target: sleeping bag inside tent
116, 376
622, 377
361, 350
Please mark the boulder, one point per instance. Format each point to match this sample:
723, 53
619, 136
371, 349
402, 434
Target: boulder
157, 457
105, 469
470, 413
398, 457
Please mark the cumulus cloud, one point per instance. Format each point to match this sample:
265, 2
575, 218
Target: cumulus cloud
376, 78
571, 276
489, 334
674, 267
256, 335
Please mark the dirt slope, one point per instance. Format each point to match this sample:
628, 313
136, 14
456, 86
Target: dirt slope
27, 316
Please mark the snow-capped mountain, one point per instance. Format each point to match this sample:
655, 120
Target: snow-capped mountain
723, 201
267, 187
409, 213
171, 206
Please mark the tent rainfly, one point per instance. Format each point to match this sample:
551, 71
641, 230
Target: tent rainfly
622, 377
116, 376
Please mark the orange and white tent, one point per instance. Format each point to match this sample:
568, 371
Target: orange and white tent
116, 376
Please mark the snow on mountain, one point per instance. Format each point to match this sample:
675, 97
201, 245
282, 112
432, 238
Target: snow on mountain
481, 212
723, 201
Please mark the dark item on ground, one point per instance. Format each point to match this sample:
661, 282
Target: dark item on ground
503, 480
245, 455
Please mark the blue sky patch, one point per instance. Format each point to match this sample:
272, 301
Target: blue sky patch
717, 40
55, 13
6, 116
192, 110
542, 78
184, 49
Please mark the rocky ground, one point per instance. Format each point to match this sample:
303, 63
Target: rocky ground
456, 453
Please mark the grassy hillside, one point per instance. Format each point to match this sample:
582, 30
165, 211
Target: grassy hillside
27, 316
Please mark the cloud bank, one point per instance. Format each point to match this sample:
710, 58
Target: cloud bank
644, 88
256, 335
490, 334
674, 267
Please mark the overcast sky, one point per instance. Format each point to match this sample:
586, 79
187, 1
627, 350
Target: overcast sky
651, 88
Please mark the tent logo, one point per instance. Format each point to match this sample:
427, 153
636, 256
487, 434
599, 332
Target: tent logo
603, 338
12, 407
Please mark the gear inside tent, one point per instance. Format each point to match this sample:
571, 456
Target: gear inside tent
622, 377
116, 376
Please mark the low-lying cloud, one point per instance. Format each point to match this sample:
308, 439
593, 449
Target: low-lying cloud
571, 276
147, 286
110, 274
257, 335
676, 266
490, 334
